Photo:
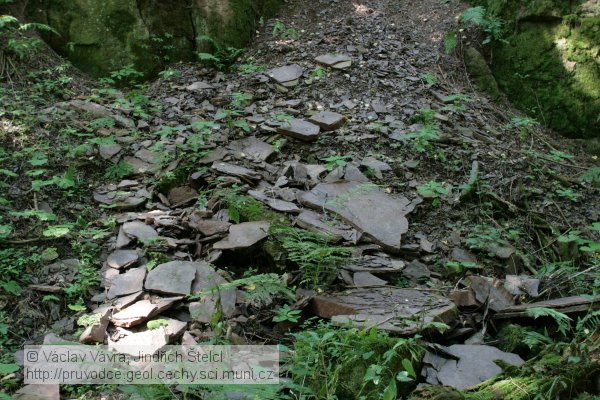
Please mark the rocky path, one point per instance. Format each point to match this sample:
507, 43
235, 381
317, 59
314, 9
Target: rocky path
337, 118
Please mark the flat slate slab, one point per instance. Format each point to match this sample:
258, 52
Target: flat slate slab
472, 365
375, 264
205, 284
300, 129
148, 342
288, 75
235, 170
335, 60
130, 282
313, 221
328, 120
142, 311
401, 311
252, 149
142, 232
366, 207
174, 277
209, 227
244, 235
120, 259
122, 199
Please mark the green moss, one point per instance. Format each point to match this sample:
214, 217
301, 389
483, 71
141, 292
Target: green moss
480, 72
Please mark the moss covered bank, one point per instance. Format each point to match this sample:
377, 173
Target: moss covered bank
102, 36
550, 65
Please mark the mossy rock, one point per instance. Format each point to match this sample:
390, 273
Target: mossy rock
550, 65
104, 36
480, 72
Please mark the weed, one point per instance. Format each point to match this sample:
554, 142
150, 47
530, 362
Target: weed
317, 258
525, 126
433, 190
241, 208
429, 78
591, 176
285, 313
335, 161
118, 171
319, 72
250, 68
567, 193
222, 57
458, 267
421, 139
282, 32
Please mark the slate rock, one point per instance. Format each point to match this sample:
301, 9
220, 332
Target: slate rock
120, 259
366, 207
121, 199
37, 392
205, 286
141, 167
244, 235
149, 342
379, 263
130, 282
140, 231
287, 76
328, 121
491, 291
142, 311
300, 129
174, 277
252, 149
209, 227
473, 365
235, 170
182, 195
198, 86
401, 311
108, 151
367, 279
314, 222
335, 60
519, 285
96, 333
416, 270
283, 206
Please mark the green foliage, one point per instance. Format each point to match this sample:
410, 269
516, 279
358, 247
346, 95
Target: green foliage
221, 57
421, 139
351, 363
118, 171
433, 190
336, 161
285, 313
429, 78
525, 126
157, 323
259, 290
89, 320
562, 321
491, 26
459, 267
169, 73
591, 176
241, 208
250, 68
319, 72
280, 31
317, 258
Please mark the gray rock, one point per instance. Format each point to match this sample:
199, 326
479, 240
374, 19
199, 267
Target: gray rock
209, 227
300, 129
235, 170
174, 277
198, 86
205, 285
473, 365
120, 259
142, 311
314, 222
379, 263
149, 342
141, 167
244, 235
96, 333
328, 121
140, 231
367, 279
120, 199
182, 195
130, 282
366, 207
37, 392
283, 206
416, 270
401, 311
287, 76
108, 151
335, 60
252, 149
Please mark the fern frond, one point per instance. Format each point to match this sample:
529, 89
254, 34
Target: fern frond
261, 290
474, 15
562, 320
591, 322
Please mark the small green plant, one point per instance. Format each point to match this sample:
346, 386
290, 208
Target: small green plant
241, 208
126, 76
317, 258
241, 100
169, 73
118, 171
278, 145
319, 72
459, 267
282, 32
567, 193
250, 68
429, 78
433, 190
492, 27
421, 139
591, 176
221, 57
336, 161
157, 323
525, 126
285, 313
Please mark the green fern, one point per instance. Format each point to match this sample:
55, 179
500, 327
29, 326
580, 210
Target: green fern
562, 320
317, 258
474, 15
590, 322
259, 290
